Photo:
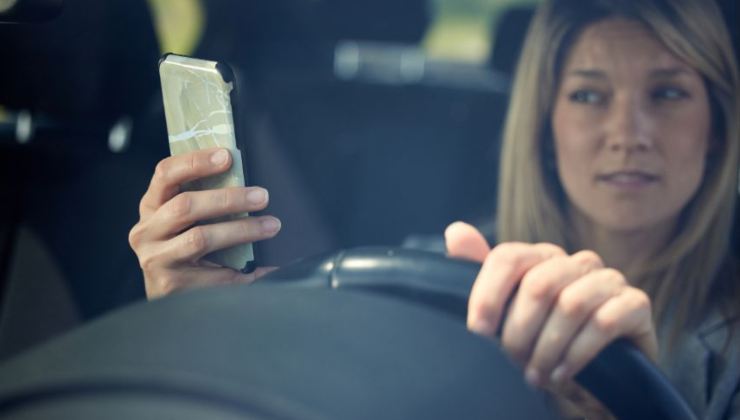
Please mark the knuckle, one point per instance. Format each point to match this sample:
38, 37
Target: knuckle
192, 161
197, 240
507, 252
550, 338
143, 207
148, 262
615, 275
162, 170
514, 252
538, 288
167, 284
180, 205
551, 249
544, 281
134, 236
640, 299
605, 324
224, 199
589, 259
196, 163
245, 228
571, 304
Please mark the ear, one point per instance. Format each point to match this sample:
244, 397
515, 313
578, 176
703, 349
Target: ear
465, 241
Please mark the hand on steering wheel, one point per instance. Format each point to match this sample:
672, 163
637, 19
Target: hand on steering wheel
566, 310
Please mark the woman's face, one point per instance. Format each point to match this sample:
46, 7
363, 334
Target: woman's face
631, 124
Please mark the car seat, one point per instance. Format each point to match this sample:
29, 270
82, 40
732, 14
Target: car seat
71, 195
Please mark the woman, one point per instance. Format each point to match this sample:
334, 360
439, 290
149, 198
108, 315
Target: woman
618, 183
631, 111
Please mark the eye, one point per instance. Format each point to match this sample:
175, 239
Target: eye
669, 93
586, 96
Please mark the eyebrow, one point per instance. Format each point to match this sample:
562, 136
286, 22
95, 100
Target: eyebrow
669, 73
660, 73
588, 73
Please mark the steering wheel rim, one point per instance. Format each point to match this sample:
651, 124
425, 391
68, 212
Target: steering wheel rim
265, 351
347, 335
620, 376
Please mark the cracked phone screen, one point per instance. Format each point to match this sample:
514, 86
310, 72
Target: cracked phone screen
198, 111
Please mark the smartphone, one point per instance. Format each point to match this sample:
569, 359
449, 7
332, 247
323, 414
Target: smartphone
199, 98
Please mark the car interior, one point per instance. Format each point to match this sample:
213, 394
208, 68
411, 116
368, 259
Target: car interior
362, 131
350, 158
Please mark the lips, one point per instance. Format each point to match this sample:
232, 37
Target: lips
628, 178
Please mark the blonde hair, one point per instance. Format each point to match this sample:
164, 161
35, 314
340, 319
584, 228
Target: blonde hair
531, 200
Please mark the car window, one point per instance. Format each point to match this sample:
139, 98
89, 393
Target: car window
464, 30
179, 24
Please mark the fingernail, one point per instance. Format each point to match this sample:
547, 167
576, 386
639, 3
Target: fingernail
532, 376
559, 375
270, 225
257, 195
219, 157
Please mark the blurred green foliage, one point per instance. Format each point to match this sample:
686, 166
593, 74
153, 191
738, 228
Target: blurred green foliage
462, 29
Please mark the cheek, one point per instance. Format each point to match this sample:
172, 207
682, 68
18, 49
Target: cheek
686, 165
574, 146
573, 169
684, 147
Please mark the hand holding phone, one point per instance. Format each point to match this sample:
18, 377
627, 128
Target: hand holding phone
194, 229
197, 98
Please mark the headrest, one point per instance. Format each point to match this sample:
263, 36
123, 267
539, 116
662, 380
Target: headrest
511, 29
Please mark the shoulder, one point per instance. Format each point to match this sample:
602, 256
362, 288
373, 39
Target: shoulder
704, 364
720, 335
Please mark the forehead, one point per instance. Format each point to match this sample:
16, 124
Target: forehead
620, 44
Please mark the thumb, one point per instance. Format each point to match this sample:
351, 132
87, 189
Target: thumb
465, 241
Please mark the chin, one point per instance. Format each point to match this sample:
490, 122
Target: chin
633, 222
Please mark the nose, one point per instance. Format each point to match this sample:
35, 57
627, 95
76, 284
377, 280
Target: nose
628, 126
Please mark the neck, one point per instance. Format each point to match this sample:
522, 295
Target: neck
626, 251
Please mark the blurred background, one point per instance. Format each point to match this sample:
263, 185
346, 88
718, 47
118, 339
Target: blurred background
368, 121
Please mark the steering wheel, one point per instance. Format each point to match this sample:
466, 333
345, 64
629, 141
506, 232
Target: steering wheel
364, 334
621, 377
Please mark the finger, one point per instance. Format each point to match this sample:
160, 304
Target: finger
573, 307
194, 243
174, 280
625, 315
465, 241
255, 275
173, 171
259, 272
188, 208
502, 269
537, 293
